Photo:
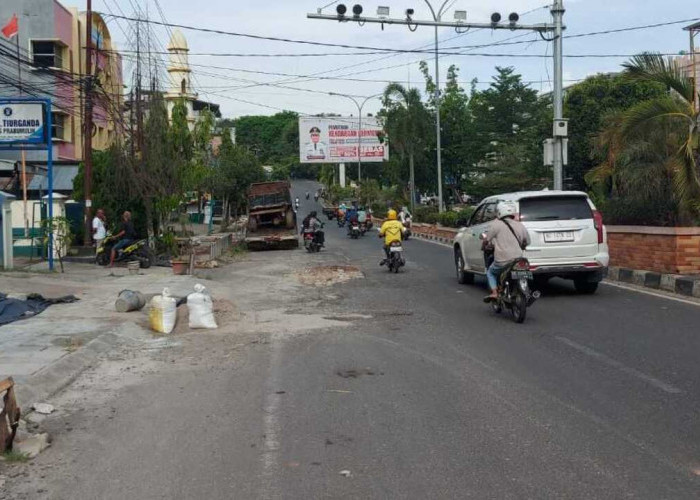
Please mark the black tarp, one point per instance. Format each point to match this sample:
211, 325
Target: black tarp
15, 309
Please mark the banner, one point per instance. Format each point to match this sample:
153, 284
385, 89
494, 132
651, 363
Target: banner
335, 140
21, 122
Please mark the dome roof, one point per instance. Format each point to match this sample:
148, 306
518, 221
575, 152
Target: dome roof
177, 41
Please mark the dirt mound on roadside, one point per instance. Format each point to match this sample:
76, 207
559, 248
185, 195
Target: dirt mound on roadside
328, 275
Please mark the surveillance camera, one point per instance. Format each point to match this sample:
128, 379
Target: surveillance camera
513, 17
357, 9
341, 9
409, 12
495, 18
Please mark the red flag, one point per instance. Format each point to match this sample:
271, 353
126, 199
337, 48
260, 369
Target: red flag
11, 28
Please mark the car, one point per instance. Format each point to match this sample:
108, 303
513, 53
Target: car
568, 238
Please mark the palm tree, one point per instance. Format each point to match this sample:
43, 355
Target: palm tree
407, 122
675, 115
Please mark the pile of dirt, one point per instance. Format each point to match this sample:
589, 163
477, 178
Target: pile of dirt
328, 275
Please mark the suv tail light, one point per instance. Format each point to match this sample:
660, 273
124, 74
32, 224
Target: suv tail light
598, 223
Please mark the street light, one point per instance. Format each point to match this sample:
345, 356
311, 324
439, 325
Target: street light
359, 127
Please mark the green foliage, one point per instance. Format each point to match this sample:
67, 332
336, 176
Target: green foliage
57, 230
426, 213
648, 154
586, 105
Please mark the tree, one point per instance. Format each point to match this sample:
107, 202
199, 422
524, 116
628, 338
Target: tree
587, 103
508, 118
235, 169
654, 140
406, 122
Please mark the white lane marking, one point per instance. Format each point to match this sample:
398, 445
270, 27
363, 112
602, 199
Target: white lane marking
623, 368
660, 295
271, 425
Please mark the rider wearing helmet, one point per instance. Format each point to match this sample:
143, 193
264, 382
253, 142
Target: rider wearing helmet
392, 230
508, 238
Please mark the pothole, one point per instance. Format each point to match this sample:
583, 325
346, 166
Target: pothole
328, 275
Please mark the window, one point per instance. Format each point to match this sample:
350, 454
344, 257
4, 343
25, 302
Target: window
58, 124
489, 212
555, 208
47, 54
478, 215
183, 86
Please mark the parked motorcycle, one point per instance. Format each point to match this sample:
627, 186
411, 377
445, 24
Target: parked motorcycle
514, 291
396, 259
138, 250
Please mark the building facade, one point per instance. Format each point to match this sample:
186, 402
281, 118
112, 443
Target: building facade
180, 82
52, 63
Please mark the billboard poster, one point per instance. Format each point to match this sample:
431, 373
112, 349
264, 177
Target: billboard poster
335, 140
21, 122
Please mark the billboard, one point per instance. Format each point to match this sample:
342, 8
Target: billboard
21, 122
335, 140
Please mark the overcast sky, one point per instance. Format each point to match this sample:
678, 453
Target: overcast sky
240, 93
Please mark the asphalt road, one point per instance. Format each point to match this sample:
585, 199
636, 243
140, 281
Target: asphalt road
429, 395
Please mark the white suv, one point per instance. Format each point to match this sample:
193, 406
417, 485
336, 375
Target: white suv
567, 234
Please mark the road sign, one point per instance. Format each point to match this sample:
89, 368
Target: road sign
22, 122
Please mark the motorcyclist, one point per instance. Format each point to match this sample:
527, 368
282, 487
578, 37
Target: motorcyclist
126, 236
351, 216
362, 215
405, 218
307, 195
508, 237
392, 230
311, 224
316, 196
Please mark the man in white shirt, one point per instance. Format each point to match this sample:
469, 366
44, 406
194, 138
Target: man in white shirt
99, 231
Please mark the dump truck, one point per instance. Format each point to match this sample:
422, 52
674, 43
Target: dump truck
272, 221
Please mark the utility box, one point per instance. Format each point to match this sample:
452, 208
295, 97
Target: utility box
561, 128
6, 200
548, 153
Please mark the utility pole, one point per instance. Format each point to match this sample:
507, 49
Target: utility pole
359, 127
459, 24
87, 134
693, 30
24, 154
557, 15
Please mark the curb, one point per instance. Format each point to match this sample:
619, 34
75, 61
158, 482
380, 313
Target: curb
686, 285
431, 237
62, 372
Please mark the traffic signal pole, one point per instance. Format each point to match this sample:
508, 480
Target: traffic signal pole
556, 28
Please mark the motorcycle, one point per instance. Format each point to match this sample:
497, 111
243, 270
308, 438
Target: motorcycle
307, 196
354, 232
313, 240
316, 198
407, 224
363, 228
341, 220
138, 250
514, 291
396, 259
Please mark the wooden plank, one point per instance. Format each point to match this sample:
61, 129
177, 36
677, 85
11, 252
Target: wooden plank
6, 384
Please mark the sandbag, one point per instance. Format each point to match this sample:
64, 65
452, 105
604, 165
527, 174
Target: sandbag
162, 313
201, 308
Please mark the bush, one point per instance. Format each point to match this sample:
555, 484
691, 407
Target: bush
427, 214
448, 219
634, 212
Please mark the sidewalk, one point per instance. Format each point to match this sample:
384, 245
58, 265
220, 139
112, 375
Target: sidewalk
45, 352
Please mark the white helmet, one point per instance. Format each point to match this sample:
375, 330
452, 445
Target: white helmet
506, 209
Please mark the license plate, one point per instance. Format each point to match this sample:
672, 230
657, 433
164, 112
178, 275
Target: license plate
521, 274
396, 249
558, 236
355, 228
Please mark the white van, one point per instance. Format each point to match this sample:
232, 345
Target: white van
568, 238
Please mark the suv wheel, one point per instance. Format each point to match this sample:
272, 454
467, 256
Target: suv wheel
463, 277
585, 286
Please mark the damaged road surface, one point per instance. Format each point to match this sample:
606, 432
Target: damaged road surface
328, 377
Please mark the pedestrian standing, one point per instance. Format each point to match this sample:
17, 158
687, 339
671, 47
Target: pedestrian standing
99, 231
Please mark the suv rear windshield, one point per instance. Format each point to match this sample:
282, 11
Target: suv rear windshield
555, 208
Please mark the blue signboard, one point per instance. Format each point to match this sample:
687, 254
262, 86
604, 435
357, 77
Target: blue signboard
22, 122
25, 124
